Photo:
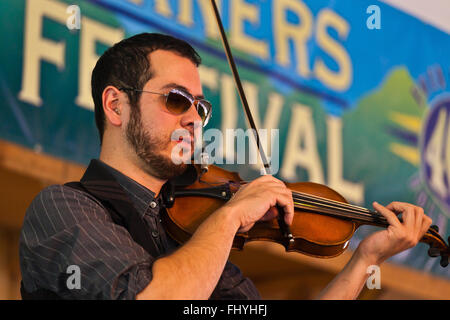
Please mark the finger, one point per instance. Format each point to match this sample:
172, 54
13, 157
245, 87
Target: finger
419, 215
270, 215
409, 217
388, 214
246, 228
406, 210
398, 207
284, 200
289, 216
289, 208
266, 186
426, 223
266, 178
271, 179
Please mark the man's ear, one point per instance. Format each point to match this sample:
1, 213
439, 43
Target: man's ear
112, 105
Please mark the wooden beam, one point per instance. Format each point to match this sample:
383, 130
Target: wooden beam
40, 166
406, 280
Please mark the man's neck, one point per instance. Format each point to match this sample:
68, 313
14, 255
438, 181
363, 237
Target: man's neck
133, 171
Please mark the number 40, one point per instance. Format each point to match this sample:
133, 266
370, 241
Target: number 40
437, 154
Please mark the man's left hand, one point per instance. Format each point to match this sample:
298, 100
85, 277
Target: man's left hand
399, 236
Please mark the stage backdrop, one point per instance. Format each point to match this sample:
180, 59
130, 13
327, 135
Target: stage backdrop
358, 90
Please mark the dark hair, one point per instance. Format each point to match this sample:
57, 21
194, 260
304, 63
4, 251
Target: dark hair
126, 64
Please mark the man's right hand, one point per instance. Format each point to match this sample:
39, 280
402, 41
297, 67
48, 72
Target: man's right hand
199, 263
258, 200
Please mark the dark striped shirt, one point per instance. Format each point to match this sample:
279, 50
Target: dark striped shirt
67, 227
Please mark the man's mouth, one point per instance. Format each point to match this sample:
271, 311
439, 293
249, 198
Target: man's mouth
187, 140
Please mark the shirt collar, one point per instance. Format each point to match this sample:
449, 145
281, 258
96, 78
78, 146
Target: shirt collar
141, 197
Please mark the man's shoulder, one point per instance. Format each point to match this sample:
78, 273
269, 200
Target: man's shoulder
59, 192
62, 200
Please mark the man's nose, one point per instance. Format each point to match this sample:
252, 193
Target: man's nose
191, 116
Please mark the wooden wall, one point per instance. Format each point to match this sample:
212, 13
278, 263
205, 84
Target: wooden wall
23, 173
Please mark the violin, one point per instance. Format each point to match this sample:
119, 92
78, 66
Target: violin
323, 222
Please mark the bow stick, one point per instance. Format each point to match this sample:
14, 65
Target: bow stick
266, 166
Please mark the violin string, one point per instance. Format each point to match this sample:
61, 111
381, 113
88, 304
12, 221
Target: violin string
340, 210
314, 204
332, 207
338, 203
331, 204
338, 213
336, 207
352, 213
335, 213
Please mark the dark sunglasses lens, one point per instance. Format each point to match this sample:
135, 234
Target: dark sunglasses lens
177, 103
204, 110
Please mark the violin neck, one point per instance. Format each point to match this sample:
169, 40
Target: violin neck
338, 209
350, 212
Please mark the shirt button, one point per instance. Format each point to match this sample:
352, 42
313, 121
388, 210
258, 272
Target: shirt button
153, 204
155, 234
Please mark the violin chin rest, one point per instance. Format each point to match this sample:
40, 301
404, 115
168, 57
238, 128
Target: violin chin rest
187, 178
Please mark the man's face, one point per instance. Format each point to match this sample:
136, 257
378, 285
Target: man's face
150, 133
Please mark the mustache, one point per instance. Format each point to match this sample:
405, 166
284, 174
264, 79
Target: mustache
183, 135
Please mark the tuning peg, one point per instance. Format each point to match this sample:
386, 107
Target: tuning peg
444, 261
434, 252
435, 228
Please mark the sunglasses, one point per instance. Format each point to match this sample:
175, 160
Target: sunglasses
179, 101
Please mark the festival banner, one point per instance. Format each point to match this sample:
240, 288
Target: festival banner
357, 91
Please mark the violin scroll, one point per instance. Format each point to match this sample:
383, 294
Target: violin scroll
438, 246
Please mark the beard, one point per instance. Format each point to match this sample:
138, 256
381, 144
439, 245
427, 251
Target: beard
149, 149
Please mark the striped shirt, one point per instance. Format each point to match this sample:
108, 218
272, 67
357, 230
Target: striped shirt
66, 227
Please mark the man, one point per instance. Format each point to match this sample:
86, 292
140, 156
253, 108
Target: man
108, 226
